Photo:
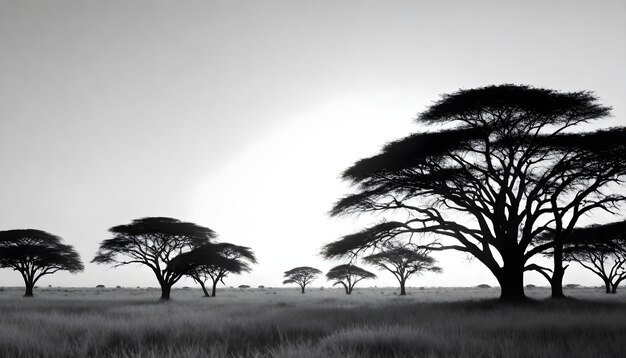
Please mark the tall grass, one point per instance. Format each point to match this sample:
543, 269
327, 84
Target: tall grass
328, 324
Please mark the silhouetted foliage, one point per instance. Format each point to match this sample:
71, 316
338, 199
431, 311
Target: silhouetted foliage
214, 262
35, 253
301, 276
153, 242
403, 261
602, 250
348, 275
506, 169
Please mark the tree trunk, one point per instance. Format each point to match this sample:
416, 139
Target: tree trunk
302, 287
206, 293
165, 292
557, 282
557, 276
614, 288
29, 289
348, 290
214, 289
511, 279
607, 286
402, 288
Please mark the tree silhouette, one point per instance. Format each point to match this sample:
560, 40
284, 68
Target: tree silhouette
302, 276
35, 253
214, 262
403, 261
506, 168
153, 242
348, 275
602, 250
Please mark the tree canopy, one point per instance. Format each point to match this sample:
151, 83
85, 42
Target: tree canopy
35, 253
153, 242
214, 262
506, 167
301, 276
403, 261
602, 250
348, 276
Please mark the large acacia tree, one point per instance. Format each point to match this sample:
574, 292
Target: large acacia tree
214, 262
153, 242
492, 169
36, 253
403, 261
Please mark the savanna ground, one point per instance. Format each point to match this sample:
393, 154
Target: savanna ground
372, 322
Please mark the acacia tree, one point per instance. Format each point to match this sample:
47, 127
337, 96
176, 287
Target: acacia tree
153, 242
35, 253
348, 275
602, 250
302, 276
214, 262
507, 168
403, 261
586, 177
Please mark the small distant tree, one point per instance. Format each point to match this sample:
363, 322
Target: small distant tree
214, 262
153, 242
403, 261
600, 249
348, 275
35, 253
301, 275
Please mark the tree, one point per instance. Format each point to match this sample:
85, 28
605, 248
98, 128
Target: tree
214, 262
301, 275
348, 275
403, 261
506, 168
602, 250
153, 242
35, 253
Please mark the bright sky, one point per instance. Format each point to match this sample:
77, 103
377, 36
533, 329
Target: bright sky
240, 115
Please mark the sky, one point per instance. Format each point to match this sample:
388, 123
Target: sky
240, 115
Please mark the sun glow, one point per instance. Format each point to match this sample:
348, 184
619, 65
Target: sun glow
275, 195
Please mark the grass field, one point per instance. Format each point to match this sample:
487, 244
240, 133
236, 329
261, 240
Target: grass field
373, 322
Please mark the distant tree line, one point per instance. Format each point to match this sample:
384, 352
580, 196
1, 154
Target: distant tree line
402, 262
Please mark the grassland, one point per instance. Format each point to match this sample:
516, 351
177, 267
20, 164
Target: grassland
323, 323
